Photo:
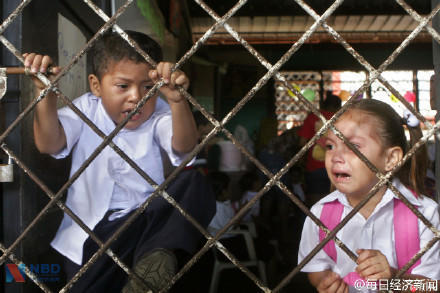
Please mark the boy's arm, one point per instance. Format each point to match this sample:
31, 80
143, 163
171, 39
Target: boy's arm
185, 133
48, 133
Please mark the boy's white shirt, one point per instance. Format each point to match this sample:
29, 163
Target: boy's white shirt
376, 232
90, 195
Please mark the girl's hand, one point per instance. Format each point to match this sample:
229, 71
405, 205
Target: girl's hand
332, 283
373, 265
177, 78
39, 63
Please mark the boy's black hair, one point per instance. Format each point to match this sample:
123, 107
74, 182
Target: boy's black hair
111, 47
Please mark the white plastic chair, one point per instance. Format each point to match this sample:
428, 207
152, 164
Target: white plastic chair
253, 261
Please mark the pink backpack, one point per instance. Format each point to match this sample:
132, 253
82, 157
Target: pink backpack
406, 234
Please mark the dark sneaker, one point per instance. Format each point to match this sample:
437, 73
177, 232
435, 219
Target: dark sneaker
156, 268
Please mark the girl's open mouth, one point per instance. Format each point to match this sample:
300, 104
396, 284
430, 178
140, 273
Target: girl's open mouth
341, 177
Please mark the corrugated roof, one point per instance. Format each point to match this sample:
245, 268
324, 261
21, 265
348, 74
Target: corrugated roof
288, 29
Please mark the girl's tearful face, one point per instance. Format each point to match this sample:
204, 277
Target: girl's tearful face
345, 169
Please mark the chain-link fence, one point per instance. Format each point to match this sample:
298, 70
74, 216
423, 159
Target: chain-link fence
424, 24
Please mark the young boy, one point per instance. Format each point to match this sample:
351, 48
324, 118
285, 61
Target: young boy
109, 190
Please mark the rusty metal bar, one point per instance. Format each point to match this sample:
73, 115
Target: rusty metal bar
187, 55
162, 186
425, 221
28, 273
406, 42
13, 15
419, 18
24, 70
266, 174
134, 110
381, 182
120, 31
43, 78
23, 114
233, 219
228, 16
64, 208
364, 62
416, 257
282, 60
219, 126
279, 77
414, 210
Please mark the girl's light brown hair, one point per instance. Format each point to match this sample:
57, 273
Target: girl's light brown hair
391, 131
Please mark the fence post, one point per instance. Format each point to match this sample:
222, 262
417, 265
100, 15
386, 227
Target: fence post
436, 60
11, 198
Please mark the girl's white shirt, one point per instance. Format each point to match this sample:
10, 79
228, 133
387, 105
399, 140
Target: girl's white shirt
376, 232
90, 195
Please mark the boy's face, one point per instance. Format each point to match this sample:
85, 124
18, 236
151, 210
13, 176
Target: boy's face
121, 87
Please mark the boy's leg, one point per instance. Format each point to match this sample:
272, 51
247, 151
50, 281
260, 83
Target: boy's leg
70, 268
168, 230
156, 268
104, 275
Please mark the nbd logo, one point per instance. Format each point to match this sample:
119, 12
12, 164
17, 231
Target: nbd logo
14, 272
43, 272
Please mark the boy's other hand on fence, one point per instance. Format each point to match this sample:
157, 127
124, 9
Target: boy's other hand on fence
177, 78
39, 63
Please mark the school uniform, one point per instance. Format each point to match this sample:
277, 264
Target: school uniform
226, 210
235, 243
376, 232
253, 211
109, 190
224, 213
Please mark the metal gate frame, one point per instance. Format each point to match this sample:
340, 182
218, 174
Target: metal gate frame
11, 253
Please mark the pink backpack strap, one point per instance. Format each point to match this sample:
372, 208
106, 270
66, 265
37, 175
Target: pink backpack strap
406, 234
351, 279
331, 216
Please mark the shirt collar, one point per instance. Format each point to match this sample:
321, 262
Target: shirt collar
409, 195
